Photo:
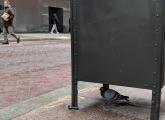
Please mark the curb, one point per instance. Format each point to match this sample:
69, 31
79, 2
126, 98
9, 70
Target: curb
39, 39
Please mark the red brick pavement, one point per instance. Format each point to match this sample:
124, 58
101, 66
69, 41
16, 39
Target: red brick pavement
32, 68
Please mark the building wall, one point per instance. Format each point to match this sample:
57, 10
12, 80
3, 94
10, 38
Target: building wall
27, 15
32, 15
65, 4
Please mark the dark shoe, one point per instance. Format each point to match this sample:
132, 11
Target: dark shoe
5, 42
18, 40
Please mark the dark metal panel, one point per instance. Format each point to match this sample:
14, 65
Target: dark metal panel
117, 44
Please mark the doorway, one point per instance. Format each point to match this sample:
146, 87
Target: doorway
59, 13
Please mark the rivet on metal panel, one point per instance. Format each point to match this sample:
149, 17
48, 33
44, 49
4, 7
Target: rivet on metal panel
146, 85
156, 44
154, 93
154, 86
157, 15
154, 73
155, 59
157, 30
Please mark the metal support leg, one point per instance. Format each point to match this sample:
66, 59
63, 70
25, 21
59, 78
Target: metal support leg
74, 103
74, 55
106, 86
155, 108
103, 89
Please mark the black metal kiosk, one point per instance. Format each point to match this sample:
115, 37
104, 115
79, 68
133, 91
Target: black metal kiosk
118, 42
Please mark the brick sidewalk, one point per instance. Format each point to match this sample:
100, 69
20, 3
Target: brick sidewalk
30, 69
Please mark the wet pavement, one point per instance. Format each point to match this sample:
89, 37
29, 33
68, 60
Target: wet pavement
32, 68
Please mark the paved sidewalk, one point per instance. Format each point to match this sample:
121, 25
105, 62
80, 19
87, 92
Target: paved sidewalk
28, 105
39, 36
93, 107
32, 68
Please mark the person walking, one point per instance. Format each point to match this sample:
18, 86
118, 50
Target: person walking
7, 21
55, 21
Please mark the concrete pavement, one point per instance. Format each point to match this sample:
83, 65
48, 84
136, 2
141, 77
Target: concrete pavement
39, 37
12, 111
93, 107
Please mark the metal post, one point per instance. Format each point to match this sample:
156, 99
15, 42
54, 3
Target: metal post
74, 103
74, 55
155, 108
103, 89
106, 86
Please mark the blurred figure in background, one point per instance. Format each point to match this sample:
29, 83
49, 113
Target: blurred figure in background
7, 21
55, 21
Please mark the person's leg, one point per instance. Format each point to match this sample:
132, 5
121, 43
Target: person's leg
11, 32
56, 29
5, 36
53, 28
